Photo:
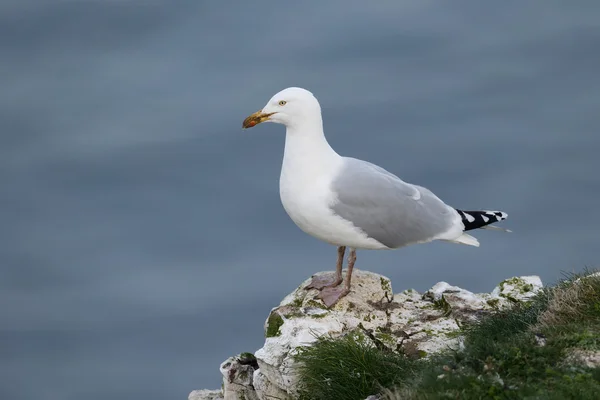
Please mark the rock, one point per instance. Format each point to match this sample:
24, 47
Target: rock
540, 339
416, 324
206, 395
265, 389
584, 358
517, 289
238, 377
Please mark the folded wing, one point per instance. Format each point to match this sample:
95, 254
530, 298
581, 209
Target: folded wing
389, 210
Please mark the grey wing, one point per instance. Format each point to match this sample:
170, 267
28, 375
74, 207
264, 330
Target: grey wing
387, 209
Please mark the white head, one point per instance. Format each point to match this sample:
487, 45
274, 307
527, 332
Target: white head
291, 107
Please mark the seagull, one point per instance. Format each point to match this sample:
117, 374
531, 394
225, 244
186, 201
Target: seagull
352, 203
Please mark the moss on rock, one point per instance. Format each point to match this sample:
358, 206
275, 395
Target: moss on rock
315, 304
493, 303
519, 286
274, 323
386, 285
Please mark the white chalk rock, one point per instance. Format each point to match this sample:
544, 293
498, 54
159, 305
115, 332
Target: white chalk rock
265, 389
584, 358
416, 324
206, 395
238, 377
518, 289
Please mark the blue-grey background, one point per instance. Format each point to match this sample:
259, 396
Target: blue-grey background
142, 238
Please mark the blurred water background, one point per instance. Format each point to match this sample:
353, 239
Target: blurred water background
143, 240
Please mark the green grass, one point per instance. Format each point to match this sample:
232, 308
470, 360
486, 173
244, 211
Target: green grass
349, 368
501, 358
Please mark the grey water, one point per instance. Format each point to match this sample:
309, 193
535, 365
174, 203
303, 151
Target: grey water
142, 238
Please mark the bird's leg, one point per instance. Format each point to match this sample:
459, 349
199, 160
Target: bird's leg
351, 261
320, 282
339, 265
331, 295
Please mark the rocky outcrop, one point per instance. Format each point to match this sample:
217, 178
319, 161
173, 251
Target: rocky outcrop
409, 322
206, 395
583, 357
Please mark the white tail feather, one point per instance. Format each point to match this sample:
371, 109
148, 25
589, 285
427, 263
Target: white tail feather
465, 239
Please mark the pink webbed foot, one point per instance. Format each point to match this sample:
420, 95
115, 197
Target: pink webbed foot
331, 295
323, 281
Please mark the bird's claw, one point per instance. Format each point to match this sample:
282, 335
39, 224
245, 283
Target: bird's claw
331, 295
323, 281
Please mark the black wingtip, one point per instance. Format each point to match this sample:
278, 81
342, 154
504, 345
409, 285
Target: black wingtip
478, 219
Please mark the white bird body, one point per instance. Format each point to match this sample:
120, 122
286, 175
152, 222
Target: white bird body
308, 168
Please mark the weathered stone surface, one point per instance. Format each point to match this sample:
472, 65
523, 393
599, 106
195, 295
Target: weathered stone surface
584, 358
238, 377
410, 322
517, 289
206, 395
265, 389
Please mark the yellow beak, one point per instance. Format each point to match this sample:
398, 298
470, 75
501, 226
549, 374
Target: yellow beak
256, 119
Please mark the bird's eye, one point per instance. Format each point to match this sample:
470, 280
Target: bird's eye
282, 102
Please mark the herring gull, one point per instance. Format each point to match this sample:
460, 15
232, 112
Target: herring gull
352, 203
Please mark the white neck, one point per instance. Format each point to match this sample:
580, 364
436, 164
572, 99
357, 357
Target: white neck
307, 152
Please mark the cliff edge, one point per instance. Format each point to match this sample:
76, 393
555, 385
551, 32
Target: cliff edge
416, 325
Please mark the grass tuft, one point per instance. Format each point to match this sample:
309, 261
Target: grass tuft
443, 305
349, 368
577, 299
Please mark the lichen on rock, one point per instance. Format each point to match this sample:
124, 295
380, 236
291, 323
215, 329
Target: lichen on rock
517, 289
